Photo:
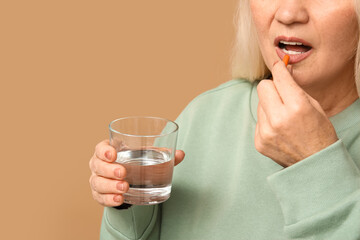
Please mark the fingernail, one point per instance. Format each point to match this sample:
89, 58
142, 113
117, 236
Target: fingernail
117, 198
120, 186
108, 155
118, 172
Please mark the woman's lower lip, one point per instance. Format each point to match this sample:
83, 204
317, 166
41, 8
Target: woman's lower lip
294, 58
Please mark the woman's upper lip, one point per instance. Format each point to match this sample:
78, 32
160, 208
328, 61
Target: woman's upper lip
290, 39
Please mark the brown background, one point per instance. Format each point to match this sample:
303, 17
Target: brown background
67, 68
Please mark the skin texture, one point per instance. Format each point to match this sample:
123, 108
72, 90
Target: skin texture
107, 178
294, 109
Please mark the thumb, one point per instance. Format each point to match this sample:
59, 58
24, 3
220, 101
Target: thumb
179, 156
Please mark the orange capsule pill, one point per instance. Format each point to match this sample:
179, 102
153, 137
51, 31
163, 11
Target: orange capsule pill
286, 59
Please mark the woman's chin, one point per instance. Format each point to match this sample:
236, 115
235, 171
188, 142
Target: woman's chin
303, 79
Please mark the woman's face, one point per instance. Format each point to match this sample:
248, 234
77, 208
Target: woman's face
320, 36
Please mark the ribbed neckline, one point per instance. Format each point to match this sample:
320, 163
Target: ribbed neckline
341, 121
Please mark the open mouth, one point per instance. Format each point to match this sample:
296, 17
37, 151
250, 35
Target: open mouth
293, 48
298, 49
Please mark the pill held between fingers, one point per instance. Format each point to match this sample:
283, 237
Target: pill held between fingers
286, 59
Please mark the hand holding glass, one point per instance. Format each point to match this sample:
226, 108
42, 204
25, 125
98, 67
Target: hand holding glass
146, 148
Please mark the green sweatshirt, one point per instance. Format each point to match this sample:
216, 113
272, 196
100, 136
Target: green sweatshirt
225, 189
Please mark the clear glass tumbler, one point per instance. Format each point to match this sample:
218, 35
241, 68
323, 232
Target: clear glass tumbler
146, 148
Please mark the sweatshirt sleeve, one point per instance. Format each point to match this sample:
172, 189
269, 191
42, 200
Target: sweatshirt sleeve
137, 222
320, 196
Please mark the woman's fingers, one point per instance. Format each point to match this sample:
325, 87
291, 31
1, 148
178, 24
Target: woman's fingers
105, 185
292, 129
105, 151
108, 200
179, 156
107, 178
269, 97
289, 91
102, 164
106, 169
263, 132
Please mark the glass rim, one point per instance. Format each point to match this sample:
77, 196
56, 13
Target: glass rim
149, 117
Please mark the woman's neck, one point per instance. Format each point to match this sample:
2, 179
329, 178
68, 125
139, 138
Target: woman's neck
335, 98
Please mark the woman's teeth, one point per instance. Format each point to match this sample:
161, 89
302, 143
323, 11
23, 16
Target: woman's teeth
291, 52
293, 48
291, 43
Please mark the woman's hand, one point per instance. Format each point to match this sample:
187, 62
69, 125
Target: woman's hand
107, 177
291, 124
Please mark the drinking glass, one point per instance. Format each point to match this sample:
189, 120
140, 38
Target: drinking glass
146, 148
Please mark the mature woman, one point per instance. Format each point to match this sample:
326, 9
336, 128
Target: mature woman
272, 159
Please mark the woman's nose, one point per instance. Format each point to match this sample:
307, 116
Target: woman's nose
291, 11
